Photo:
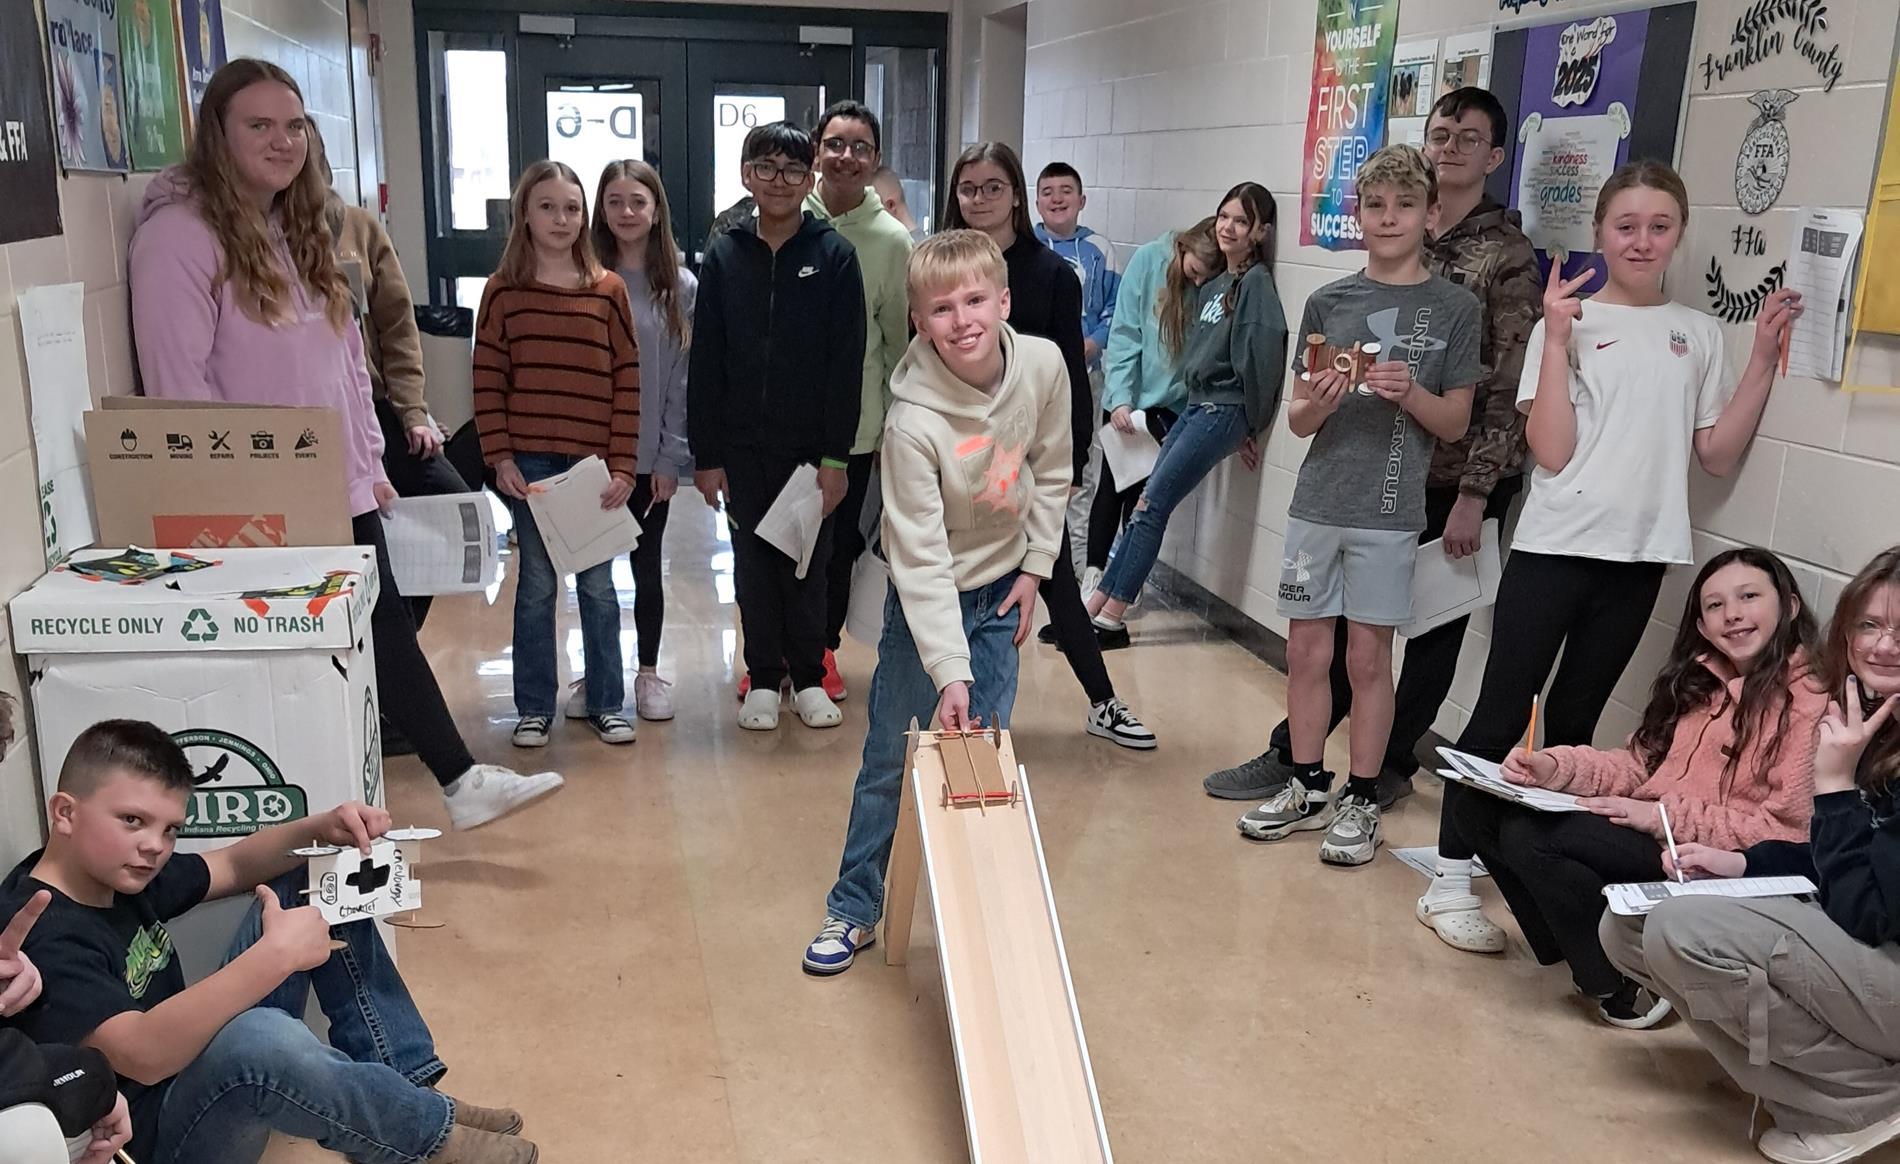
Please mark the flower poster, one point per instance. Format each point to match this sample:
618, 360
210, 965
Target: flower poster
29, 174
148, 58
201, 36
82, 45
1345, 116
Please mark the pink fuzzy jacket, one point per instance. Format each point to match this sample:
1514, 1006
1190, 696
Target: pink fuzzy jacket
1709, 803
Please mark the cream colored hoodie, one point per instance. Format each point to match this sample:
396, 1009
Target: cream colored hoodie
975, 485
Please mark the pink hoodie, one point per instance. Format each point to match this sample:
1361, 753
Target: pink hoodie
1708, 803
195, 342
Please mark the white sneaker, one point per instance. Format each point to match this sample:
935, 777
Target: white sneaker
759, 712
1826, 1147
577, 698
1353, 838
1091, 578
651, 698
815, 708
1111, 720
488, 792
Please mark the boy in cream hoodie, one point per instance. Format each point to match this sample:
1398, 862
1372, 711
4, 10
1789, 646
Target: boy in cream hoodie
976, 470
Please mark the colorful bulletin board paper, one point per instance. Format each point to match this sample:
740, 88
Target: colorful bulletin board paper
1345, 116
82, 42
29, 175
148, 52
201, 36
1574, 114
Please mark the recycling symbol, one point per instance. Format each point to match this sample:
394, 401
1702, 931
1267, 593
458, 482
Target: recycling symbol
199, 627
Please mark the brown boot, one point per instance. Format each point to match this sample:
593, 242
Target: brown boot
502, 1121
471, 1146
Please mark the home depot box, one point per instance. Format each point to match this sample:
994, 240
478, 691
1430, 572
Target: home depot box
261, 666
191, 474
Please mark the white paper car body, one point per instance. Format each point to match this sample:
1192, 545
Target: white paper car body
347, 886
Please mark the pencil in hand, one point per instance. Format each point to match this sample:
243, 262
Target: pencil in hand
1530, 737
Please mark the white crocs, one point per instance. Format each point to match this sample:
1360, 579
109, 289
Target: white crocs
1460, 923
815, 708
759, 712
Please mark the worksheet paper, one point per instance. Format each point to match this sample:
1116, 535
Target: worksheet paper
1444, 588
441, 545
796, 516
578, 533
1635, 900
1130, 456
1821, 268
53, 328
1485, 776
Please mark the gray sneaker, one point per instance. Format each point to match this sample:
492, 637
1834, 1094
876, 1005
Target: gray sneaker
1354, 837
1293, 809
1258, 779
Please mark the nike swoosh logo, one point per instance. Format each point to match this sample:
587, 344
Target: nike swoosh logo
1606, 344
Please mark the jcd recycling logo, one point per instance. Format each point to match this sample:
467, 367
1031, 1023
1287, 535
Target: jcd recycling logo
237, 788
199, 627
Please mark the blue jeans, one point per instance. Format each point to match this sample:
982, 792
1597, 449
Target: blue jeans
364, 1096
901, 690
537, 672
1205, 435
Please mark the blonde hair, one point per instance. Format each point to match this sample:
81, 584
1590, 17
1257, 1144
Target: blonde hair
948, 257
662, 257
517, 267
1176, 300
251, 264
1401, 166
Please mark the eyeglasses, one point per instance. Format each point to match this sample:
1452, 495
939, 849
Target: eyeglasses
792, 173
1463, 142
1867, 633
837, 147
988, 191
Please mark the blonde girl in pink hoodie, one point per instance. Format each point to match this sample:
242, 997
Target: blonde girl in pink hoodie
1726, 747
237, 297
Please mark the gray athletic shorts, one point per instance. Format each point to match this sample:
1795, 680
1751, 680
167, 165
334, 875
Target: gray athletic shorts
1362, 574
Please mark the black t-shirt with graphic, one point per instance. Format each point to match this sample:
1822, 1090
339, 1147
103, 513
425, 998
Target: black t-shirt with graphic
100, 963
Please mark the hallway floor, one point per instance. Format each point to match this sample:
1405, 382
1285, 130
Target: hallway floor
622, 963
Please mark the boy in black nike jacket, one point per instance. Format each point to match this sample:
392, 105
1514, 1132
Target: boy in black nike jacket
775, 382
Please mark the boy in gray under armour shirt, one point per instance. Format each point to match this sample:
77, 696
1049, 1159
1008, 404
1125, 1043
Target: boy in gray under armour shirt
1387, 360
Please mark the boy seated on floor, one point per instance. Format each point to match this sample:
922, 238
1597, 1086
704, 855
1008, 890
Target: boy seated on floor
212, 1069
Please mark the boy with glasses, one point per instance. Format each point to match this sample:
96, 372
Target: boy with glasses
775, 382
849, 148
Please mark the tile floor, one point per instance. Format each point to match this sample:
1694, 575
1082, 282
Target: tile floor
622, 963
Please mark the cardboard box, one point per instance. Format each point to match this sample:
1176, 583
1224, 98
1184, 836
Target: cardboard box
190, 474
262, 667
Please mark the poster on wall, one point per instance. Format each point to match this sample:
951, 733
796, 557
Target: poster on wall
1411, 91
29, 177
201, 37
148, 53
1345, 115
82, 42
1465, 60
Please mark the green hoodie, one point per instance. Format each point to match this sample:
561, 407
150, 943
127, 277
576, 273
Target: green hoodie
883, 247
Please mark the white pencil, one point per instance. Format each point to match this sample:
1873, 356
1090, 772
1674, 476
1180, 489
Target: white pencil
1669, 836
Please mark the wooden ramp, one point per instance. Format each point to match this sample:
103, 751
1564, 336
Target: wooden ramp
1022, 1060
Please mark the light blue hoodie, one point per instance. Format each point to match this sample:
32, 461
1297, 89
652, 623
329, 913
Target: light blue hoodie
1137, 368
1090, 257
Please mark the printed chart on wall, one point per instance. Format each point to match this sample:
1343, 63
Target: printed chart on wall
1345, 115
201, 37
1412, 90
82, 42
29, 177
148, 49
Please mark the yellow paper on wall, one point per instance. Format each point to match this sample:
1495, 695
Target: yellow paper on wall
1877, 290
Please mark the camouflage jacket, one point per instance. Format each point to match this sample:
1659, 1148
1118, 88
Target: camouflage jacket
1488, 255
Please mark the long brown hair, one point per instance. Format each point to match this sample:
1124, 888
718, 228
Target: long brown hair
1257, 201
1686, 684
1176, 301
1880, 763
517, 267
662, 257
1003, 158
251, 263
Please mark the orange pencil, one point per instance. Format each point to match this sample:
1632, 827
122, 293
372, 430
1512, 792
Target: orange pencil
1784, 349
1530, 737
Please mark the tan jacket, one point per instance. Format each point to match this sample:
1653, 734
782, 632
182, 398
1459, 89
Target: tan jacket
384, 309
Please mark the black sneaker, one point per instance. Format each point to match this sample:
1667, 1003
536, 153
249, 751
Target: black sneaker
1111, 638
1393, 787
1633, 1007
1260, 778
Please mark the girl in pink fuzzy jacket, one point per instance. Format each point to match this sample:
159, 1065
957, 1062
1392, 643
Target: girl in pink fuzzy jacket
1726, 747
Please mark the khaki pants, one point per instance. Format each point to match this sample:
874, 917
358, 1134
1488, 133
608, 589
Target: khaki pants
1795, 1010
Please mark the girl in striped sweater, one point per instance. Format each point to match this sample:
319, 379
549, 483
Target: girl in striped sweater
557, 379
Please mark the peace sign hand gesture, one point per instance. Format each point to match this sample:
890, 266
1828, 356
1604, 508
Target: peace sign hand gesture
1561, 305
1844, 736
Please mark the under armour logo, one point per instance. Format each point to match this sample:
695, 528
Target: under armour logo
1298, 566
1385, 325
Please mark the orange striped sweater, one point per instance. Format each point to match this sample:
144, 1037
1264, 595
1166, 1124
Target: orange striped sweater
558, 371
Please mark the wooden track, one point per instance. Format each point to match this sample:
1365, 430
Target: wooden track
1022, 1059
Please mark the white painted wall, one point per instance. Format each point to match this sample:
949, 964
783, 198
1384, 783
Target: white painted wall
1164, 104
310, 39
